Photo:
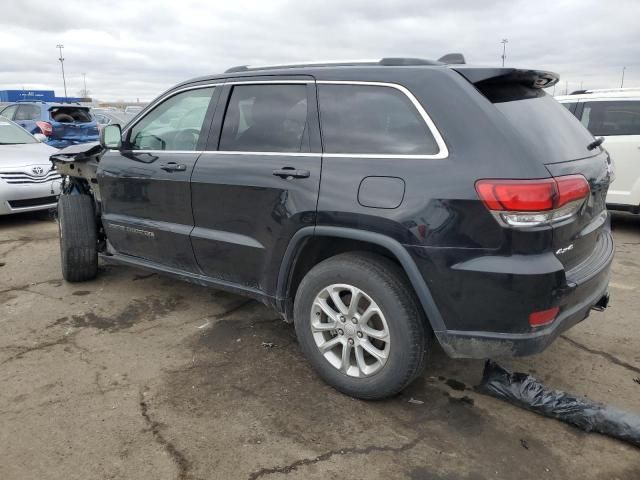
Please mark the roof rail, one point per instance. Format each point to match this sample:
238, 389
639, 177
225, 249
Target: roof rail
389, 61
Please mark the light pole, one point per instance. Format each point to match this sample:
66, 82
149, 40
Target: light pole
84, 80
622, 81
504, 49
64, 81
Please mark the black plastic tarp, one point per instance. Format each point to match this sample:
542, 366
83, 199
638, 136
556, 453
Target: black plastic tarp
525, 391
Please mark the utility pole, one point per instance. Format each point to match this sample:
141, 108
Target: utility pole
84, 80
622, 81
64, 81
504, 49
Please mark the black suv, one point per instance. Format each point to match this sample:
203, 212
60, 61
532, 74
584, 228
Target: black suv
376, 205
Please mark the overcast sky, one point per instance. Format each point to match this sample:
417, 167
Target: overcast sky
137, 49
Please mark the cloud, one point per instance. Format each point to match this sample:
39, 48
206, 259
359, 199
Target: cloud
132, 50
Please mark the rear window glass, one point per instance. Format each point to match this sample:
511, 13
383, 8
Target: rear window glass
550, 131
70, 114
369, 119
612, 118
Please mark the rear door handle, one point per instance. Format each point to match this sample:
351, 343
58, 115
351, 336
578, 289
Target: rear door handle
173, 167
290, 172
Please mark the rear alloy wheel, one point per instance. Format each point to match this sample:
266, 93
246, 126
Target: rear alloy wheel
360, 326
350, 330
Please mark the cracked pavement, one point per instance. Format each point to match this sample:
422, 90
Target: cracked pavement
139, 376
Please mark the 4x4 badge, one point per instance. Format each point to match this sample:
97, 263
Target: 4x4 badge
560, 251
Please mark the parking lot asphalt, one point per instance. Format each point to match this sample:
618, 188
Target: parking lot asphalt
138, 376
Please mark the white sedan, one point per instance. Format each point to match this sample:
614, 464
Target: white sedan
27, 178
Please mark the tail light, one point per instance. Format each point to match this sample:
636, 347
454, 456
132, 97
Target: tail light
529, 203
45, 128
543, 317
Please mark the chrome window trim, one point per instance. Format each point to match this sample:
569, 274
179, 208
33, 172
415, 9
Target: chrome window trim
443, 151
279, 154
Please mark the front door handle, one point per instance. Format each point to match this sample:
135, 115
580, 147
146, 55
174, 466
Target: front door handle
290, 172
173, 167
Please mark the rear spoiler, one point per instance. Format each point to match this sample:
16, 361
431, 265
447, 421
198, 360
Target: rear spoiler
489, 75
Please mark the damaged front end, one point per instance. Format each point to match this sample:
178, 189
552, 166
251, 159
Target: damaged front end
78, 165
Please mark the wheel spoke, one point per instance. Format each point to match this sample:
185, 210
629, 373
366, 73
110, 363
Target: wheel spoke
330, 344
362, 365
356, 296
373, 333
371, 310
346, 358
323, 327
337, 301
376, 353
329, 312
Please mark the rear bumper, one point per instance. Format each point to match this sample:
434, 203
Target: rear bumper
63, 143
496, 294
463, 344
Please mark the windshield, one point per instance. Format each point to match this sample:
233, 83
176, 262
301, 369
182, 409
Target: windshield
12, 134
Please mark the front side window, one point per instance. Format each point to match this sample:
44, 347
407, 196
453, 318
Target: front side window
28, 112
9, 112
266, 118
372, 119
175, 124
612, 118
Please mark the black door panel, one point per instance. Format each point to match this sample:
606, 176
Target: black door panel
147, 210
251, 196
145, 187
245, 216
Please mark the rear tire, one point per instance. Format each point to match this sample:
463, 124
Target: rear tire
398, 329
78, 238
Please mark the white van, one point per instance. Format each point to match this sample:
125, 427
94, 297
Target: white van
615, 115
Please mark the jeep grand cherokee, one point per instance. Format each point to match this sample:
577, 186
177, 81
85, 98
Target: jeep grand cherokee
378, 205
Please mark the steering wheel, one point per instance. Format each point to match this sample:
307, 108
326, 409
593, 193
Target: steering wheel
187, 139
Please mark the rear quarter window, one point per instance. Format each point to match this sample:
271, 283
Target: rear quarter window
372, 119
611, 118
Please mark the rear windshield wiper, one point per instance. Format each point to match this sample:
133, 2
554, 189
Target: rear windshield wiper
596, 143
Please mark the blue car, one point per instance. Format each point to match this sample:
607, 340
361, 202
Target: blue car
63, 124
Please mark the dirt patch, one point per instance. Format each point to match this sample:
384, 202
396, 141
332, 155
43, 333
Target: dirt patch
139, 310
81, 293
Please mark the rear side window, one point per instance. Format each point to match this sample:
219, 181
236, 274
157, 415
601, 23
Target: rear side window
372, 119
612, 118
70, 114
266, 118
28, 112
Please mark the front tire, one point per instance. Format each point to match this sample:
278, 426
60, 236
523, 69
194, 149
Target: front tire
360, 326
78, 238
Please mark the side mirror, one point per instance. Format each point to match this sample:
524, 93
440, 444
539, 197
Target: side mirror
111, 137
40, 137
